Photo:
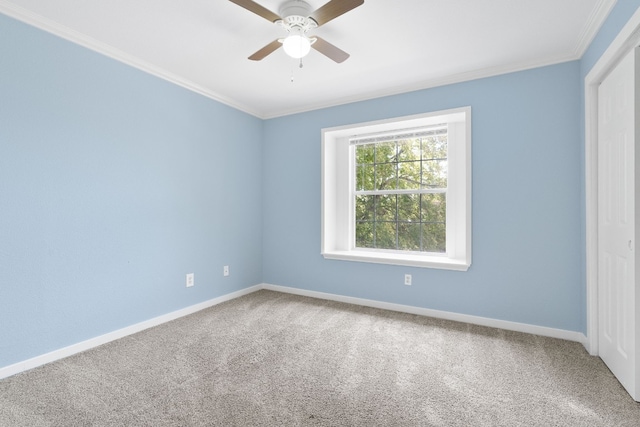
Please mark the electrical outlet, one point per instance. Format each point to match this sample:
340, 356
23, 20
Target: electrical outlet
407, 279
225, 270
190, 280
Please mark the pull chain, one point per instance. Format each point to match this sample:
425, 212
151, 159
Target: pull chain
300, 65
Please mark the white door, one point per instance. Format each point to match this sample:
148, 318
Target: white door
618, 291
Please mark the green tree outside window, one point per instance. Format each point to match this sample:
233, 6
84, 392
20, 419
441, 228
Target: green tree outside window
400, 197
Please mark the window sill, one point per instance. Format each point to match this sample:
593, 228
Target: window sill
411, 260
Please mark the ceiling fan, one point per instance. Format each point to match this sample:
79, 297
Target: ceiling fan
296, 17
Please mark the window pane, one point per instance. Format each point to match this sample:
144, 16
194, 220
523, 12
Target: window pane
434, 174
365, 177
365, 153
409, 208
434, 237
409, 175
409, 236
434, 207
440, 148
385, 235
364, 234
385, 152
365, 206
434, 147
410, 222
385, 208
386, 176
409, 149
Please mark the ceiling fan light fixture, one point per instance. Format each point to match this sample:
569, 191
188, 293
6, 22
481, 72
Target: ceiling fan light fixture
297, 45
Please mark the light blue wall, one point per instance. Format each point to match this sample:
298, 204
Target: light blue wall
113, 185
528, 197
526, 202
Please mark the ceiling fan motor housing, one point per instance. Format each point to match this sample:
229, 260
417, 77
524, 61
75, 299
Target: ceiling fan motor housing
296, 13
295, 8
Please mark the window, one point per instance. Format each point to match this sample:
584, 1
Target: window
399, 191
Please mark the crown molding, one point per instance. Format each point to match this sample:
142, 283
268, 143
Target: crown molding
592, 26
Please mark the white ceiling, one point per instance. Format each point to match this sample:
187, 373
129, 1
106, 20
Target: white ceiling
395, 45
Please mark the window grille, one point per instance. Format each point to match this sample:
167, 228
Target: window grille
400, 189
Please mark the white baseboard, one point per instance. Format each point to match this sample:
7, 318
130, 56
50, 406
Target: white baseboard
34, 362
43, 359
475, 320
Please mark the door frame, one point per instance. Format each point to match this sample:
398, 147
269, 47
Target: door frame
625, 41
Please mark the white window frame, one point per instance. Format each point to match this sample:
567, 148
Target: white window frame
338, 234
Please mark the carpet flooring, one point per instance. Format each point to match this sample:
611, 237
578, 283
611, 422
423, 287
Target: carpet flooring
273, 359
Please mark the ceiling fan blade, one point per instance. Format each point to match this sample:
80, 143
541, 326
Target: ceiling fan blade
268, 49
254, 7
333, 9
329, 50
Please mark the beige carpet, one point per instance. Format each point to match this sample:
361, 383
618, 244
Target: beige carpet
272, 359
